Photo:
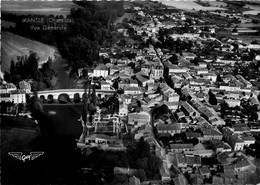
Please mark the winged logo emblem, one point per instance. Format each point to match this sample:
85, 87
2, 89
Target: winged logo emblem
20, 156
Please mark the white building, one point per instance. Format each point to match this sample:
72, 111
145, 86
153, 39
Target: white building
25, 86
123, 109
7, 88
101, 70
132, 90
139, 118
232, 102
105, 85
16, 96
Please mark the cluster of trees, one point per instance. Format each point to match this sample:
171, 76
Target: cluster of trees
137, 156
90, 29
212, 98
140, 157
178, 45
161, 112
27, 68
111, 104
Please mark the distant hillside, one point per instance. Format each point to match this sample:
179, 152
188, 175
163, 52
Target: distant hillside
38, 7
14, 45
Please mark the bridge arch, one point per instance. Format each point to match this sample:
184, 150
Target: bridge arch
76, 98
50, 98
42, 99
63, 98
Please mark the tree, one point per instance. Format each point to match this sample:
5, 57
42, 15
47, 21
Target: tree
142, 149
174, 59
219, 79
141, 175
125, 20
76, 98
12, 67
32, 65
235, 30
142, 163
212, 98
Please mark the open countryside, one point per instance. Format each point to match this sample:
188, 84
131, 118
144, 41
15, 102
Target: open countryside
15, 45
39, 7
189, 5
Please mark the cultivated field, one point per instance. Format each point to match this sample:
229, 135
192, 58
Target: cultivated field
217, 3
189, 5
255, 9
128, 16
14, 45
38, 7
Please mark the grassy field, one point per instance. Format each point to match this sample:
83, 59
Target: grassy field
14, 45
38, 7
217, 3
128, 16
189, 5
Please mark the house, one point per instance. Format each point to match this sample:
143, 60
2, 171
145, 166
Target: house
105, 85
210, 76
172, 69
164, 172
114, 69
193, 160
98, 139
154, 69
134, 181
180, 180
173, 106
143, 79
206, 112
188, 56
188, 109
211, 133
125, 98
220, 146
132, 90
202, 71
179, 160
168, 128
201, 151
244, 164
127, 83
235, 142
23, 85
6, 88
123, 109
177, 81
181, 147
191, 135
205, 171
157, 72
15, 96
101, 70
139, 119
171, 96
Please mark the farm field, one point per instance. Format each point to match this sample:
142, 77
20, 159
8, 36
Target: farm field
38, 7
217, 3
128, 16
15, 45
255, 9
189, 5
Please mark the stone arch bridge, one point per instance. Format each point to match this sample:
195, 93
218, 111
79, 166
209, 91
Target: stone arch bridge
71, 92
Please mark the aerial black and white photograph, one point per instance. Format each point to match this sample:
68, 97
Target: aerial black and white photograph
130, 92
